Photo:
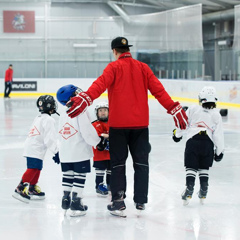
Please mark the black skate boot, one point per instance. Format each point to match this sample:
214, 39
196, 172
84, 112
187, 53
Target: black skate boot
202, 194
187, 194
66, 201
35, 192
102, 190
118, 206
140, 206
21, 192
77, 207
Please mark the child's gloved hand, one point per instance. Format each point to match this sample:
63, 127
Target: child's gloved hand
102, 144
218, 158
56, 158
176, 139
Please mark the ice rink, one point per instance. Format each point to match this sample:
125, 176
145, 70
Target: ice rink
165, 217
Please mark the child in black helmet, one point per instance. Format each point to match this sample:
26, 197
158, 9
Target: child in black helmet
42, 136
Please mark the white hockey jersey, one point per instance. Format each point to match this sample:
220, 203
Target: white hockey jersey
201, 119
42, 136
77, 136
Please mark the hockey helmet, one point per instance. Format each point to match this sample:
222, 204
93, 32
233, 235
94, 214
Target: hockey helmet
46, 104
207, 94
66, 92
101, 105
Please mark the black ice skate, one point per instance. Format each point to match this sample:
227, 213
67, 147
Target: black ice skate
77, 207
202, 195
140, 206
66, 201
187, 194
21, 193
102, 190
117, 208
35, 193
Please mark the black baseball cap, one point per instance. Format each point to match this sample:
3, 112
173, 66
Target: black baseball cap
120, 42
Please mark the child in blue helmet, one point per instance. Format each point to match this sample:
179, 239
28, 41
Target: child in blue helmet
77, 136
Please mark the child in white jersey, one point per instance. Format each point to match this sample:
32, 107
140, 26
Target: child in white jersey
77, 136
204, 133
42, 136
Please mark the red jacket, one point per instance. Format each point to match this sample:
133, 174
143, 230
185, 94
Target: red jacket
128, 81
101, 127
8, 75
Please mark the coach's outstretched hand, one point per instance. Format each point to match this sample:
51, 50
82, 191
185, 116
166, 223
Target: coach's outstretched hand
78, 104
179, 115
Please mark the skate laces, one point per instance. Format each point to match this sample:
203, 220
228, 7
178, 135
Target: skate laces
37, 188
25, 191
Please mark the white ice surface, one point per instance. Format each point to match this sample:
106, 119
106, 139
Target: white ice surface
165, 217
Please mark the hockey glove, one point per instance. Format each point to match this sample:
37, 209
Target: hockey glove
78, 104
179, 115
176, 139
218, 158
56, 158
102, 144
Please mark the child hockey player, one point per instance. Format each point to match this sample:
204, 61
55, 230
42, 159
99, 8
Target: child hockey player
203, 133
75, 150
41, 137
102, 158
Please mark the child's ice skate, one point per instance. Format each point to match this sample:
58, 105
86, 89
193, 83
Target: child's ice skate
140, 207
77, 207
102, 190
117, 208
66, 201
21, 193
202, 196
187, 194
35, 192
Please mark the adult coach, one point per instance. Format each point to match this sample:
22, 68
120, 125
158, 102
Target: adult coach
8, 81
128, 81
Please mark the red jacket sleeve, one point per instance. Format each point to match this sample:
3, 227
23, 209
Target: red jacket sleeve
100, 85
158, 91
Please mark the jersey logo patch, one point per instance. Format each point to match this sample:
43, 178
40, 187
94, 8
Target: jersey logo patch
67, 131
33, 132
203, 125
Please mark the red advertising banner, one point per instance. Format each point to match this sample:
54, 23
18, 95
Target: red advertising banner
19, 21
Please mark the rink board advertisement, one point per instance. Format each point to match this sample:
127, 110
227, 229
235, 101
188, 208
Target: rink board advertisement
24, 86
18, 21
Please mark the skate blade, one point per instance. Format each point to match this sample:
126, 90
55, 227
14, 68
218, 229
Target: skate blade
65, 212
37, 197
202, 201
18, 197
101, 195
77, 213
118, 214
186, 202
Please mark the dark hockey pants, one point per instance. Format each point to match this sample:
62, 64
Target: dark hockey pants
137, 140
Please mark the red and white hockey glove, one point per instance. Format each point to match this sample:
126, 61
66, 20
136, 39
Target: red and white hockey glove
78, 104
179, 115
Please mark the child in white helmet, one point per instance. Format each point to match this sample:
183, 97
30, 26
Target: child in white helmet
101, 159
204, 133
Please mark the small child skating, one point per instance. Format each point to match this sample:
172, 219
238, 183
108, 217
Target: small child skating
204, 133
42, 137
77, 136
101, 159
